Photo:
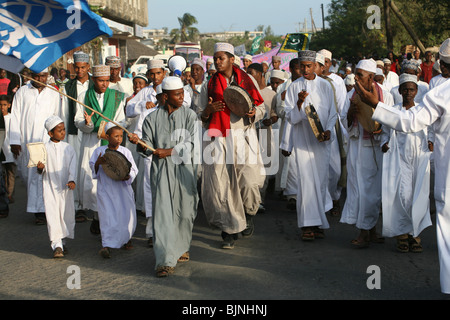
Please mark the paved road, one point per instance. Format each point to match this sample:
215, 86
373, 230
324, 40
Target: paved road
272, 265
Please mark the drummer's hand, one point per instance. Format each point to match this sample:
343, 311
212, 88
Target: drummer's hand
251, 113
88, 118
385, 148
285, 153
301, 98
369, 97
430, 146
149, 105
40, 167
133, 138
100, 159
162, 153
16, 149
267, 122
71, 185
214, 106
326, 135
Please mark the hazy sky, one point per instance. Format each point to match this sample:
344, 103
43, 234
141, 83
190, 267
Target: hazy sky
283, 16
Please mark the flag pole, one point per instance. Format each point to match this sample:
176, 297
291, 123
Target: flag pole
101, 115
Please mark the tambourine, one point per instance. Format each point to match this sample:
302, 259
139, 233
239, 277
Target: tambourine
117, 166
238, 100
314, 121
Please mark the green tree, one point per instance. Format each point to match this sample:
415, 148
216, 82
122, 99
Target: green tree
186, 32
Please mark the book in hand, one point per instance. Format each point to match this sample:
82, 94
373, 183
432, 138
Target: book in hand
37, 153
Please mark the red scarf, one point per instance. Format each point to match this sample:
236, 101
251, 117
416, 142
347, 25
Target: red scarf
367, 135
217, 84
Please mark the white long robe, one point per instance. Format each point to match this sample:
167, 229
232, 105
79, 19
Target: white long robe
312, 157
136, 109
74, 139
433, 110
364, 168
406, 182
29, 111
116, 204
60, 169
89, 142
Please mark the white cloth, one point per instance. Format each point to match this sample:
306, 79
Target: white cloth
60, 169
392, 78
406, 182
364, 168
437, 80
116, 206
125, 85
136, 109
89, 142
9, 157
312, 157
433, 110
29, 111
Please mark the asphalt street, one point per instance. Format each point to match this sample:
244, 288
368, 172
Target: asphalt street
273, 265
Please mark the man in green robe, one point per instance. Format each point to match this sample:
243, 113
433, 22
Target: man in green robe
171, 131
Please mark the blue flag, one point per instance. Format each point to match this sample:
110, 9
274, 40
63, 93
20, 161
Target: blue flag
36, 33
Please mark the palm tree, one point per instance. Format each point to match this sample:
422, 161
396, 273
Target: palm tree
186, 29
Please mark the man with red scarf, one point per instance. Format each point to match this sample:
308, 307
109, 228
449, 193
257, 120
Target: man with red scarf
232, 171
364, 160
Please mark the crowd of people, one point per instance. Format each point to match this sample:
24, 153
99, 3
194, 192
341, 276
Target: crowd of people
307, 132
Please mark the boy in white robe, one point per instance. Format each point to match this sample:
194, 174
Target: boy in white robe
406, 178
115, 199
58, 179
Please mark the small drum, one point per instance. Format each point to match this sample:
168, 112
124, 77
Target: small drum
238, 100
365, 116
101, 130
314, 121
117, 166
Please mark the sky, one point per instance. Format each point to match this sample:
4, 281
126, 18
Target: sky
283, 16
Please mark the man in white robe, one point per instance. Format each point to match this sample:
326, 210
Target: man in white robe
406, 177
75, 88
364, 162
90, 140
312, 155
33, 104
287, 177
232, 171
433, 110
338, 153
442, 77
116, 82
144, 103
390, 76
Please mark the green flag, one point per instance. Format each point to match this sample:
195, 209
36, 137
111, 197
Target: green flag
255, 45
294, 42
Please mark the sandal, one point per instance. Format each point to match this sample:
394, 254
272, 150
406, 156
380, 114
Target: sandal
360, 243
128, 245
105, 253
80, 216
415, 244
318, 233
402, 243
164, 271
184, 257
307, 234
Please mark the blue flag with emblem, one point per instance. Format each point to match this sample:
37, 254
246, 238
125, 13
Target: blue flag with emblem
36, 33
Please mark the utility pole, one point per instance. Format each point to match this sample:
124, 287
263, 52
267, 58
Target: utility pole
323, 17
